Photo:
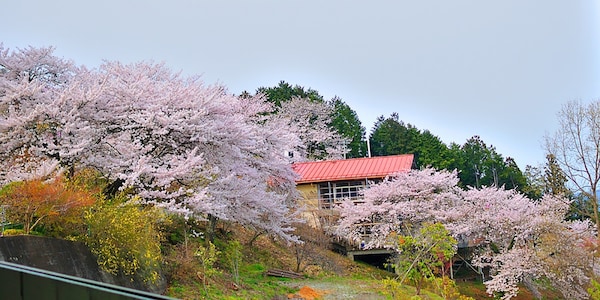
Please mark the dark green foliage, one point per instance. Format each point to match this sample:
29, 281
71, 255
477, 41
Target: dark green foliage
345, 121
555, 183
477, 163
511, 176
480, 165
391, 136
285, 92
535, 183
432, 152
554, 178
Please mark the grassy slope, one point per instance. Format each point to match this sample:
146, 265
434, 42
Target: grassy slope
264, 254
348, 279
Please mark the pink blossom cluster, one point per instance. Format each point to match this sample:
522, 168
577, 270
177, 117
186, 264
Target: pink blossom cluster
519, 240
191, 147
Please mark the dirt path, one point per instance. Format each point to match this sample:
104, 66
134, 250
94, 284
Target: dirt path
332, 290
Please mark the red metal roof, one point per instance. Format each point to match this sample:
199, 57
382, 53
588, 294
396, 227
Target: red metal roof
352, 169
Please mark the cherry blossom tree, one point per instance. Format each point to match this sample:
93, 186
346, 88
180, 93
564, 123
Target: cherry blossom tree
173, 140
520, 240
517, 239
310, 121
315, 121
405, 200
32, 82
193, 148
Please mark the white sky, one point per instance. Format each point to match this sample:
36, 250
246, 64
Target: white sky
499, 69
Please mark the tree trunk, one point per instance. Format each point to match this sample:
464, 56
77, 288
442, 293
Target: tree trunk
594, 201
211, 228
254, 237
113, 188
530, 285
299, 255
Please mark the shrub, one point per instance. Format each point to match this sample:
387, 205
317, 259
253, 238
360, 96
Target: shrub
55, 206
124, 235
420, 255
207, 256
8, 232
233, 259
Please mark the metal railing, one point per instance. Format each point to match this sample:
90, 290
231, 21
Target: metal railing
331, 203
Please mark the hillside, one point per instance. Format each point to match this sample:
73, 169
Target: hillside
326, 275
324, 272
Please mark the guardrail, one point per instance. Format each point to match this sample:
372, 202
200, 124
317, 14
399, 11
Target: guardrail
18, 282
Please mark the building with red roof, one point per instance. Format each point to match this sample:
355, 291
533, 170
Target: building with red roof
324, 184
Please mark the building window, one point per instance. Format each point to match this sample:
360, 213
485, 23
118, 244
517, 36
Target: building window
333, 193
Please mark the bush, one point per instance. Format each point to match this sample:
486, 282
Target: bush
233, 259
8, 232
594, 290
54, 206
124, 235
182, 265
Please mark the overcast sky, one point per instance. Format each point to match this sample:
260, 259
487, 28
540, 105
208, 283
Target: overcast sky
498, 69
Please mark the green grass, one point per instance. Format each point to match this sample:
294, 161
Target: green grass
253, 285
475, 289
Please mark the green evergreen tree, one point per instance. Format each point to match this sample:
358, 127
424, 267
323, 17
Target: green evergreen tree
346, 122
475, 163
432, 152
511, 177
555, 179
390, 136
285, 92
480, 165
555, 183
534, 188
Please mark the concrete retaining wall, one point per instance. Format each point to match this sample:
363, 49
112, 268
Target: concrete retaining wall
65, 257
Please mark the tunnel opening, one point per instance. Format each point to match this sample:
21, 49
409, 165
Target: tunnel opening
380, 261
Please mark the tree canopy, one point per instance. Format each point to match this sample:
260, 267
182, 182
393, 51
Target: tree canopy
477, 163
480, 165
285, 92
174, 141
575, 148
519, 239
391, 136
329, 129
346, 122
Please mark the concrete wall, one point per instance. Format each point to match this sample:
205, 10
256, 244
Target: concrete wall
19, 282
65, 257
